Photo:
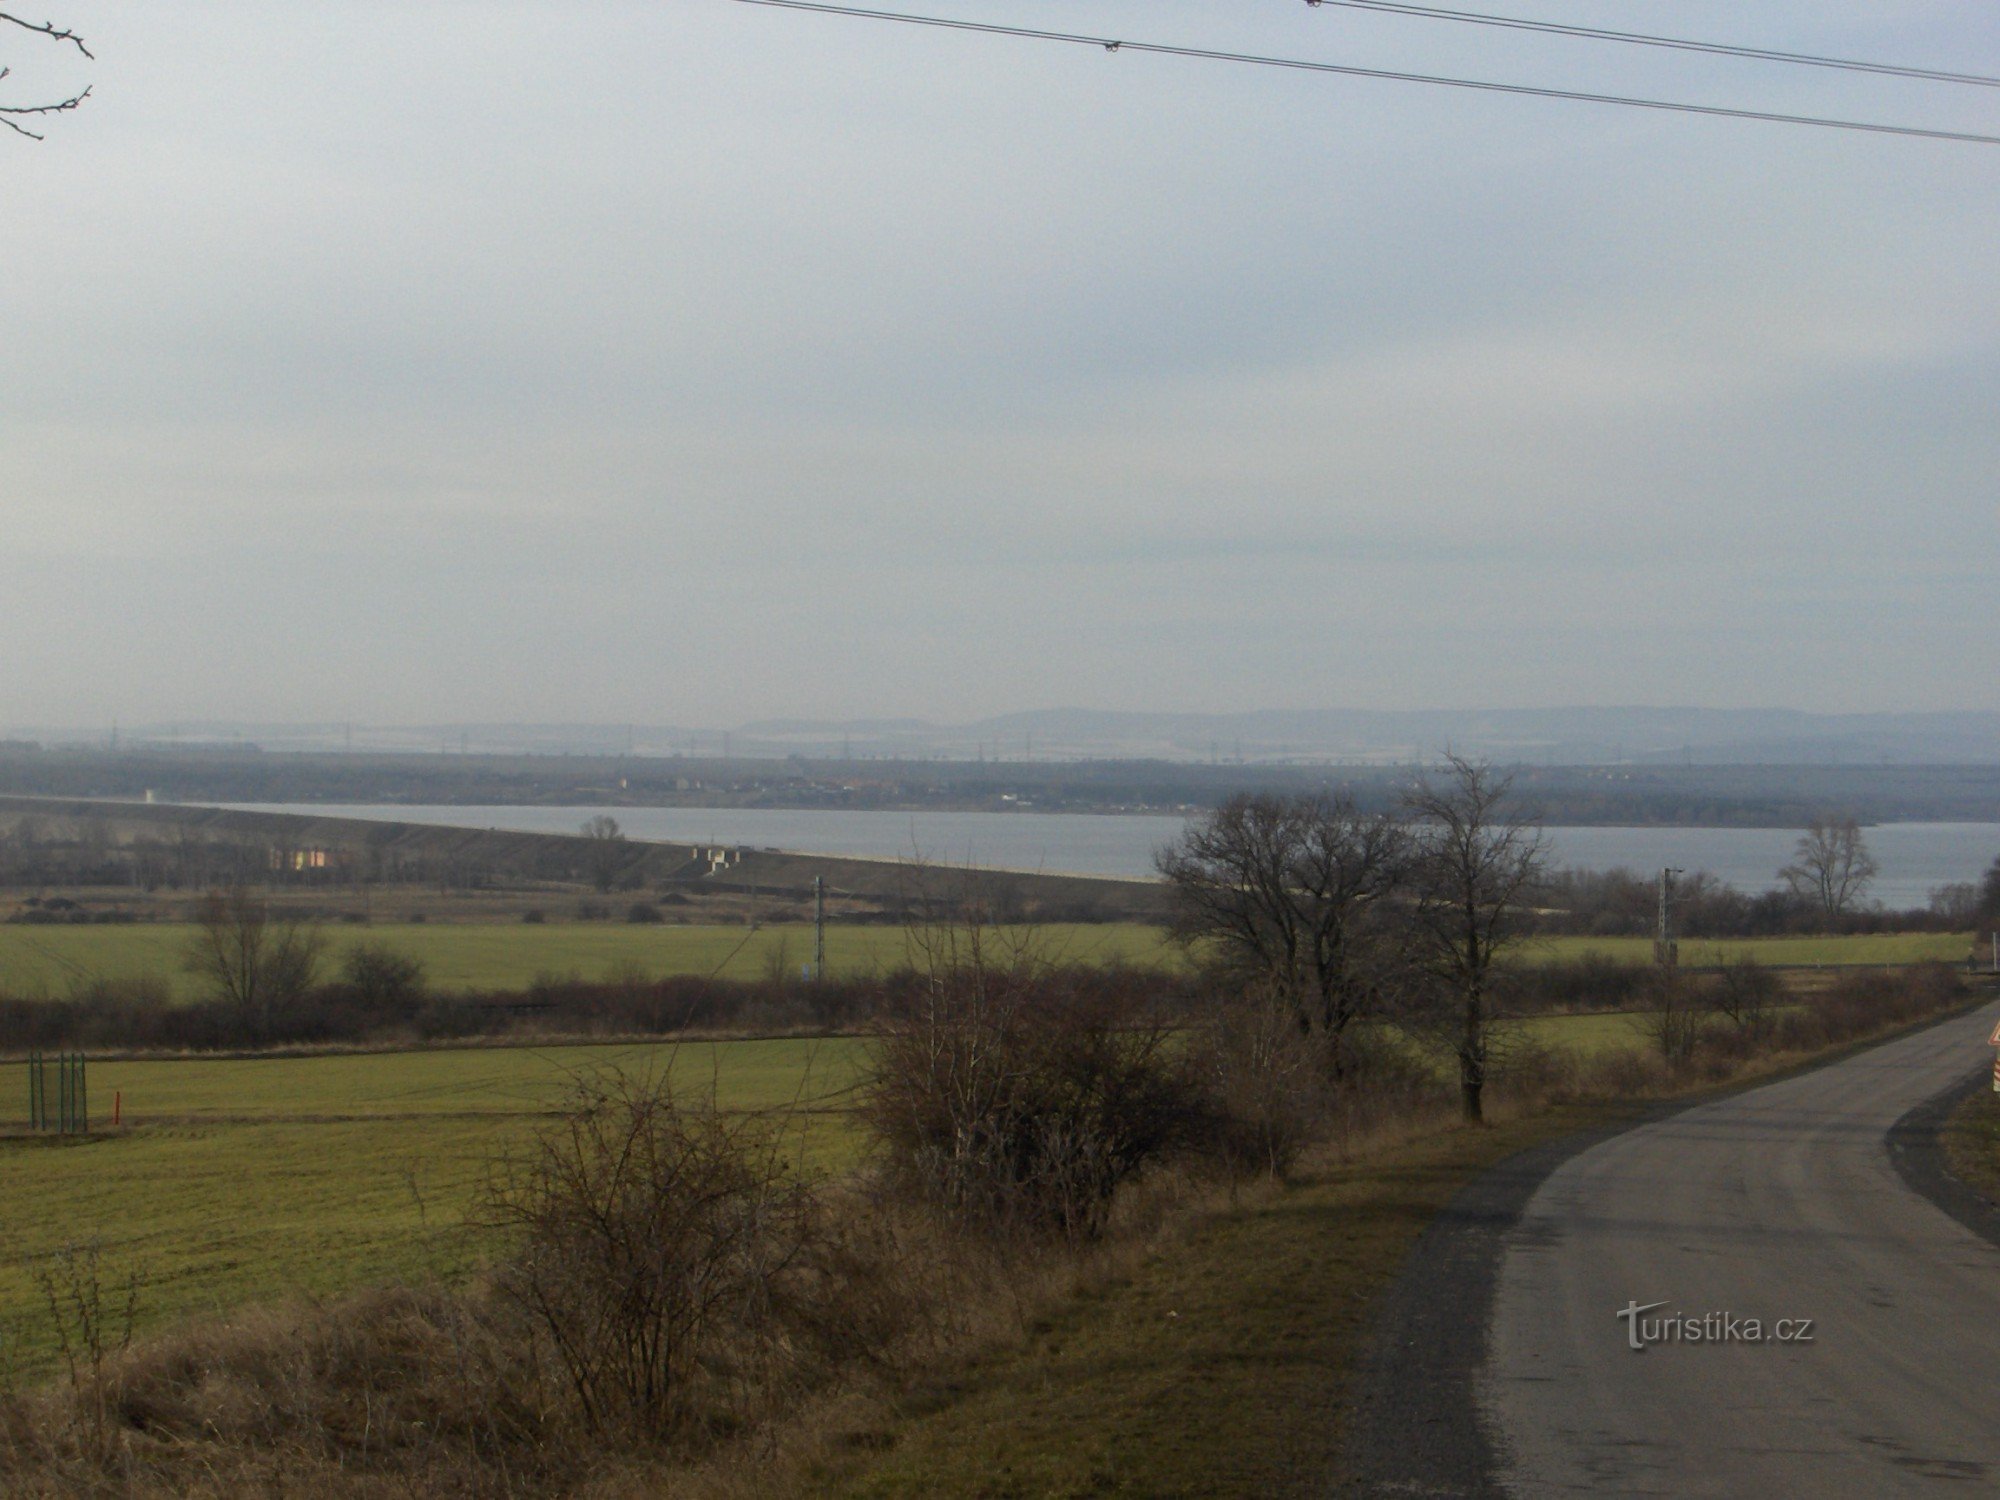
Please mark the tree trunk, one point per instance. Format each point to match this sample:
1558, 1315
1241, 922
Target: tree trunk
1472, 1060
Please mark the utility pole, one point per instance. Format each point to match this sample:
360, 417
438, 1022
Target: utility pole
819, 927
1666, 950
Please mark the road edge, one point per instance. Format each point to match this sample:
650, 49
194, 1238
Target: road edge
1920, 1160
1413, 1423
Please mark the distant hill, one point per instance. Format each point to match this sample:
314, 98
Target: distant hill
1559, 736
1548, 736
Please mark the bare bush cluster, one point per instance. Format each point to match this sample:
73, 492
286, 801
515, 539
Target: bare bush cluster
1008, 1095
1271, 1085
1710, 1023
675, 1263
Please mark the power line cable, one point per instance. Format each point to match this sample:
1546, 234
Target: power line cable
1118, 44
1644, 39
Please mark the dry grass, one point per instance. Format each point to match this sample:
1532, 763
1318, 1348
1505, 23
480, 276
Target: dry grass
1971, 1139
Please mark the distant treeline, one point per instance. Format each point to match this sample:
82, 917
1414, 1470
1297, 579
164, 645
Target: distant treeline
1623, 903
1723, 796
383, 1001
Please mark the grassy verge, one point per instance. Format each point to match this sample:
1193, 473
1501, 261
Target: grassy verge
1215, 1366
1971, 1140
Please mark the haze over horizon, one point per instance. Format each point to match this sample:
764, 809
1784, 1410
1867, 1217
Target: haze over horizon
704, 364
1576, 736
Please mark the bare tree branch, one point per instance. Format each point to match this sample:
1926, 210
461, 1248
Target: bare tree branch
48, 29
10, 112
7, 110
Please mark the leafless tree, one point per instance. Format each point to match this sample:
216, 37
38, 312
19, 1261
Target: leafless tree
1293, 894
248, 958
11, 115
1478, 863
606, 850
1831, 867
1956, 904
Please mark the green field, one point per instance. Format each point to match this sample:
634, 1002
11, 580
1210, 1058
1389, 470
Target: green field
485, 956
253, 1179
494, 956
247, 1179
1585, 1034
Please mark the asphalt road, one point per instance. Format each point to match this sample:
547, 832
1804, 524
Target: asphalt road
1778, 1203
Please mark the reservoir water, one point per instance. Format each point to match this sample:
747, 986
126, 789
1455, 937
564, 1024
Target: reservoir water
1914, 857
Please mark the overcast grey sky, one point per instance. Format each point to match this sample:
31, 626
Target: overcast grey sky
694, 362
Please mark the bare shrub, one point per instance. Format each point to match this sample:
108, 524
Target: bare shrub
1620, 1073
671, 1260
1013, 1096
1530, 1072
777, 965
1856, 1004
1746, 994
1674, 1021
1590, 982
249, 960
1391, 1074
91, 1322
1269, 1083
383, 977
